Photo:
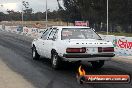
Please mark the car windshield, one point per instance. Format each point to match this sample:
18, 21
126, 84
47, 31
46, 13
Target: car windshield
79, 33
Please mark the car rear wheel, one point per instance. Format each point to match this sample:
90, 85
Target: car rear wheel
97, 64
35, 55
55, 61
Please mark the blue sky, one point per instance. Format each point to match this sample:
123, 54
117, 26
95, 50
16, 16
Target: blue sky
37, 5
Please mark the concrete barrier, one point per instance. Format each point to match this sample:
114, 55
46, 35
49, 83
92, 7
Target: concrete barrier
122, 44
32, 32
1, 27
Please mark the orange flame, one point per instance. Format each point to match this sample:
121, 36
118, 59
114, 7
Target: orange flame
81, 71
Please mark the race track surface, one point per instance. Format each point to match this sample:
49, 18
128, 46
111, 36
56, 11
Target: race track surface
15, 51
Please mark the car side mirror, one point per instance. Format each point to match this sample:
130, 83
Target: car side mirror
54, 38
93, 29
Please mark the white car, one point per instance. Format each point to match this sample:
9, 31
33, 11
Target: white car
73, 44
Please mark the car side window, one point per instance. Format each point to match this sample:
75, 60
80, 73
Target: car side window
52, 34
45, 34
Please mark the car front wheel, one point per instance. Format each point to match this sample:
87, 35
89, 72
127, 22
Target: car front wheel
97, 64
35, 55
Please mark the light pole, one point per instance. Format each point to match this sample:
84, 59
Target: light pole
107, 17
22, 12
46, 15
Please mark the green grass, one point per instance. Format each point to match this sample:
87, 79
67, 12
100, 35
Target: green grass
117, 34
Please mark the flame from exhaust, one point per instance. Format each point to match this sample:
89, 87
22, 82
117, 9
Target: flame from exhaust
81, 71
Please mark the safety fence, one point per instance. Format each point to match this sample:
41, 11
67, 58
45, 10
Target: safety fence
122, 44
33, 32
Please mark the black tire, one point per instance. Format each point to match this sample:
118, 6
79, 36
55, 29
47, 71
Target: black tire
97, 64
56, 61
35, 55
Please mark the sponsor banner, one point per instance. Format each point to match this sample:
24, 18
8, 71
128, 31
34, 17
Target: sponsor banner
129, 44
34, 31
37, 32
122, 44
25, 30
19, 29
81, 23
118, 49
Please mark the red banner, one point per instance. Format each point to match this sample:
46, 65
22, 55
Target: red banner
81, 23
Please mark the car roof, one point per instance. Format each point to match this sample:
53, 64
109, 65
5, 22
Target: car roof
69, 27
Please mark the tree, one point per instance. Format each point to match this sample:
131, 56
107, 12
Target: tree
27, 11
2, 16
120, 13
93, 11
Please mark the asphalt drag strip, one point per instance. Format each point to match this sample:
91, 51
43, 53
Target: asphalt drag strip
15, 52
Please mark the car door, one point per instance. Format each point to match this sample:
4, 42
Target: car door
41, 43
49, 43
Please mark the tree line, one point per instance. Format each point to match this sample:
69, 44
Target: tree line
38, 16
94, 11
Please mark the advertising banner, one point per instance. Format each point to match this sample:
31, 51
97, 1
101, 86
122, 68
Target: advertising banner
82, 23
122, 44
19, 29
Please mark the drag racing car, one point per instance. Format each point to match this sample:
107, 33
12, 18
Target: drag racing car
72, 44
